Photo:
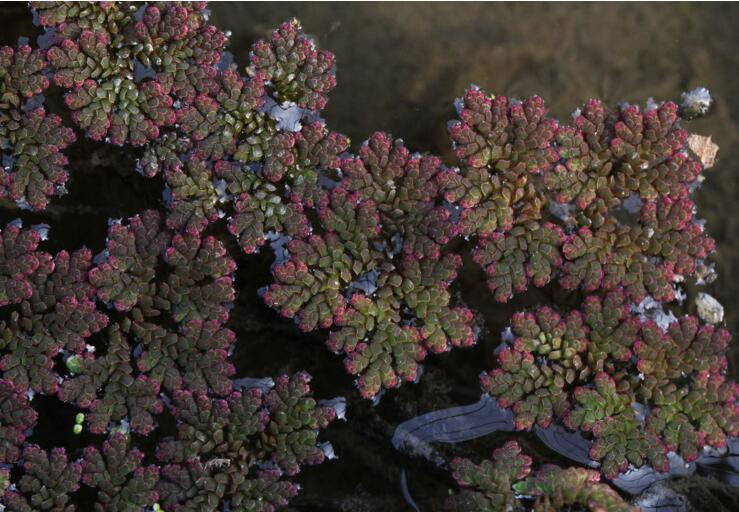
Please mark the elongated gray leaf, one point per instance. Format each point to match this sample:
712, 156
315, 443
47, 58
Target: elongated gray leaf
452, 425
636, 480
568, 443
660, 498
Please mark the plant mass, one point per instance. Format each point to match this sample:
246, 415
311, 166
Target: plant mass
369, 241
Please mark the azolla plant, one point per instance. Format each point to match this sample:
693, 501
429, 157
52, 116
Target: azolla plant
377, 276
601, 204
368, 247
625, 232
641, 390
506, 482
31, 140
135, 333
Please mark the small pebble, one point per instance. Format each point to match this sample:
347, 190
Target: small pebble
709, 309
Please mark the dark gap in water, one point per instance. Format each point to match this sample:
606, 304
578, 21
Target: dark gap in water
54, 427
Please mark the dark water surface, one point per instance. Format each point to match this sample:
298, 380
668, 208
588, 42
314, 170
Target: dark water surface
400, 66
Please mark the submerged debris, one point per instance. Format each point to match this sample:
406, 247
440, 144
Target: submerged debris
695, 103
704, 149
709, 309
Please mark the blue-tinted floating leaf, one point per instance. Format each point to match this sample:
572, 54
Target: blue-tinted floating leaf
366, 283
338, 404
660, 498
328, 450
722, 464
641, 411
711, 455
568, 443
678, 466
264, 384
634, 481
452, 425
287, 114
406, 492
